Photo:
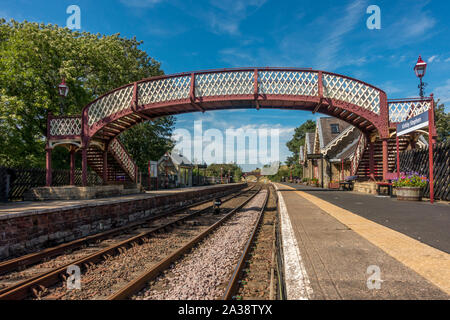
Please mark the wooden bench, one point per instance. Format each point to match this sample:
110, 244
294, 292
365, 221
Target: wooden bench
386, 185
346, 185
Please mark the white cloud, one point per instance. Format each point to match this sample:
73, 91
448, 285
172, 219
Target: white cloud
221, 16
390, 88
443, 92
140, 3
414, 26
432, 58
327, 57
226, 15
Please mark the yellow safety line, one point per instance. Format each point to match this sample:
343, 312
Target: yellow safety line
430, 263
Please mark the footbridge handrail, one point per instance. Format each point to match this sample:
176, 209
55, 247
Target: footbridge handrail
404, 109
245, 83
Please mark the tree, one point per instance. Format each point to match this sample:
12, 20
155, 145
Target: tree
149, 140
442, 120
294, 146
33, 59
283, 171
213, 170
299, 140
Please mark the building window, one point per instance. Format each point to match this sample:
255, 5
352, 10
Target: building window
334, 128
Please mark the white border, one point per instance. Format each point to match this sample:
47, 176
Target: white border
297, 282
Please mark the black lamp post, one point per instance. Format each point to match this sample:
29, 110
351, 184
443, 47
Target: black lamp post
63, 90
420, 69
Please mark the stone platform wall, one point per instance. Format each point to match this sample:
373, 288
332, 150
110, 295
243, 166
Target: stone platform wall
30, 232
78, 193
365, 187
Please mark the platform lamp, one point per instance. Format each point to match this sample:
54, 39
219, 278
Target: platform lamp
63, 90
420, 69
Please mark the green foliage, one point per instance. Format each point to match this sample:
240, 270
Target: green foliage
294, 144
299, 140
442, 120
149, 140
283, 171
213, 170
33, 59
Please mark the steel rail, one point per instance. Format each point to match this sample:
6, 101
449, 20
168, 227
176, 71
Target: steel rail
22, 289
233, 283
33, 258
141, 281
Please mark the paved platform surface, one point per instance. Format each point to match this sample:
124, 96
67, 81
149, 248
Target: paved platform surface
38, 206
428, 223
339, 249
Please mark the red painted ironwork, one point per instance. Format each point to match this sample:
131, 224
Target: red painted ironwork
371, 160
356, 158
48, 166
72, 166
397, 143
105, 167
361, 104
385, 158
431, 141
84, 166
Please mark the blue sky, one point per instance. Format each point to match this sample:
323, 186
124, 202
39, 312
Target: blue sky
329, 35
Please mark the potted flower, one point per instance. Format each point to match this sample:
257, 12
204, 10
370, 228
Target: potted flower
314, 182
409, 186
305, 181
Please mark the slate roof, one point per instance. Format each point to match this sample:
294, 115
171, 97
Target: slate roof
324, 129
177, 159
309, 141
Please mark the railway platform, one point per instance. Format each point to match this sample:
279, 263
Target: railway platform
28, 226
345, 245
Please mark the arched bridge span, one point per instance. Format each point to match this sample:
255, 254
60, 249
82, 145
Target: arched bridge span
362, 105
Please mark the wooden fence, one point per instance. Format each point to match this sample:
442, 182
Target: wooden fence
417, 161
14, 182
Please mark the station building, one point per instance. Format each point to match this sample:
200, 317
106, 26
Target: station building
174, 170
328, 150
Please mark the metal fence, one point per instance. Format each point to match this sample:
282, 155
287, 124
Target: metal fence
417, 161
150, 183
14, 182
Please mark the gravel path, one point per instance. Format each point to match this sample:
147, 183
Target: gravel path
204, 273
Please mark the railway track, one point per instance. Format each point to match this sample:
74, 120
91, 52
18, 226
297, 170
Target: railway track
259, 273
37, 284
208, 266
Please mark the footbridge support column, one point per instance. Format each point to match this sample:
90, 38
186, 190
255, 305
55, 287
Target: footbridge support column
371, 159
84, 166
48, 166
72, 166
105, 167
385, 158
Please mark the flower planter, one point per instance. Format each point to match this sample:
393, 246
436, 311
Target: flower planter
333, 185
409, 193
